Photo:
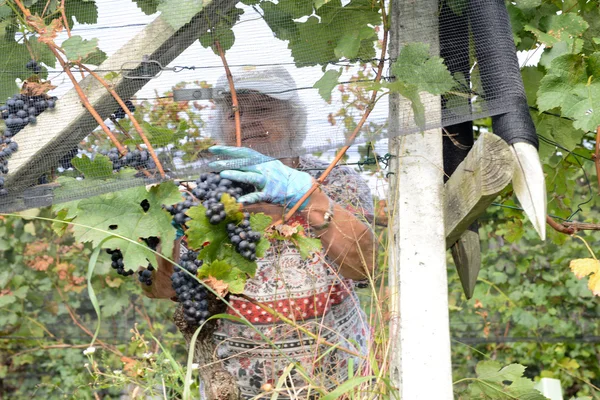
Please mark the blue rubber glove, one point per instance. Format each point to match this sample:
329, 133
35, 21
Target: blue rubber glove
276, 182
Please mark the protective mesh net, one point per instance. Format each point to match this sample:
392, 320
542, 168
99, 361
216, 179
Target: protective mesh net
153, 54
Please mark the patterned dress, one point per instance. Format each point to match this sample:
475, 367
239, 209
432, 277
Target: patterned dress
311, 293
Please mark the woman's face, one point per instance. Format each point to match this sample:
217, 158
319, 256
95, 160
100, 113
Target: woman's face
265, 122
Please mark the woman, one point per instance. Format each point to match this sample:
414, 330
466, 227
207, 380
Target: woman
316, 293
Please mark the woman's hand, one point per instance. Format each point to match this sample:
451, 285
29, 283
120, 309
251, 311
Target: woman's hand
276, 182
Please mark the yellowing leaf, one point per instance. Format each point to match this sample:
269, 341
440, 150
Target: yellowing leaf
584, 266
594, 284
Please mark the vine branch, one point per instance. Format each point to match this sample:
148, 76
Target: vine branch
234, 100
135, 123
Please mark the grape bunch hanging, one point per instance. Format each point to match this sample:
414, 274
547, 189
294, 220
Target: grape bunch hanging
209, 189
192, 295
18, 112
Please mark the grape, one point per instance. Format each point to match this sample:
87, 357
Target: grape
33, 66
145, 275
190, 293
18, 112
117, 262
208, 191
120, 113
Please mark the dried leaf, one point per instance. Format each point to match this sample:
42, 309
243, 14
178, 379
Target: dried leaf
35, 248
287, 230
584, 266
41, 263
217, 285
31, 88
47, 33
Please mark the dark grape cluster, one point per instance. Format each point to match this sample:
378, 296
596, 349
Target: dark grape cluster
244, 238
7, 148
117, 262
190, 293
145, 275
65, 161
209, 189
32, 65
139, 159
21, 110
120, 113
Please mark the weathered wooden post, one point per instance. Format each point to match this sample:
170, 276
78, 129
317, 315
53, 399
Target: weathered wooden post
419, 329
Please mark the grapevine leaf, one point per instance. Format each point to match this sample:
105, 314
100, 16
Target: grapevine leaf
315, 40
594, 284
327, 83
305, 245
5, 11
7, 299
497, 382
280, 17
42, 53
113, 305
233, 209
555, 88
527, 4
200, 231
177, 13
166, 193
564, 27
156, 135
584, 266
416, 67
559, 129
261, 247
585, 107
259, 222
531, 79
120, 213
221, 270
78, 49
411, 93
98, 168
84, 11
148, 7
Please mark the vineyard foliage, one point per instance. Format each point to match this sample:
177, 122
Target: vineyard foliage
528, 307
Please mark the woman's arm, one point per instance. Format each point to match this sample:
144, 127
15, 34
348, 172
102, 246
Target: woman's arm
346, 239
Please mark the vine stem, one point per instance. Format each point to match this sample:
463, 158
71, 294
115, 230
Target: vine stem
135, 123
559, 227
234, 100
54, 49
343, 150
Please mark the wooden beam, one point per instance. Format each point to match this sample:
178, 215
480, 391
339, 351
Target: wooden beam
466, 253
475, 184
60, 130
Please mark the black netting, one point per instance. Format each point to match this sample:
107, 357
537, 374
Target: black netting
154, 54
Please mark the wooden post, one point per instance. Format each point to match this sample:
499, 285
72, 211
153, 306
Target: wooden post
419, 328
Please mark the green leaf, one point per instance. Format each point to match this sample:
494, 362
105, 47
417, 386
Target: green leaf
177, 13
120, 213
584, 108
233, 209
531, 79
156, 135
411, 93
98, 168
7, 299
416, 67
77, 49
527, 4
259, 222
148, 7
221, 270
497, 382
555, 88
84, 11
113, 305
305, 245
314, 41
564, 27
559, 129
327, 83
